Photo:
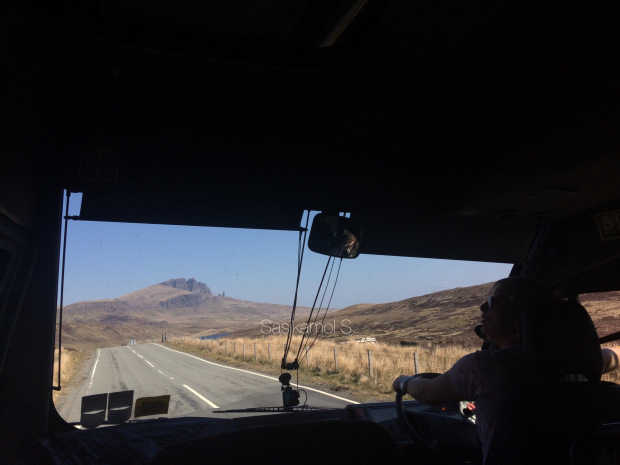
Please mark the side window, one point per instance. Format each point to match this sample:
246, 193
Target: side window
604, 309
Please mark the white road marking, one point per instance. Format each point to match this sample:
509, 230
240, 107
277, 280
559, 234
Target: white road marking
92, 376
139, 355
199, 396
257, 374
165, 374
149, 363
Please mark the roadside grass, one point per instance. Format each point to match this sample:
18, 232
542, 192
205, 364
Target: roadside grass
71, 361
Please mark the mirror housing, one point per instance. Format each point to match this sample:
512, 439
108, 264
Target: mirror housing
336, 236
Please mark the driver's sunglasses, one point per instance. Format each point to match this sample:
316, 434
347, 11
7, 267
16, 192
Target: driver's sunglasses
490, 301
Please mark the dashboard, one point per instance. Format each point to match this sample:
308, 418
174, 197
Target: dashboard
142, 439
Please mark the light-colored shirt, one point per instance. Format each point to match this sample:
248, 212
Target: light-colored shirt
488, 377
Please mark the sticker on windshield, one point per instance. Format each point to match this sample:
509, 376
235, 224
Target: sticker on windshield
609, 225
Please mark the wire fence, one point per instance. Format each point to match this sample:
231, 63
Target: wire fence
362, 362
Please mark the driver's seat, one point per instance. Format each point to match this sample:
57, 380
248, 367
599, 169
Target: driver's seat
564, 398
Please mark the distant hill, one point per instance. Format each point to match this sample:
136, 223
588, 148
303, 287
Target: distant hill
445, 317
450, 316
442, 317
176, 305
189, 307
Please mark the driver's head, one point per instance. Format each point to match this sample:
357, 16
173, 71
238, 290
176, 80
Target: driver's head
509, 297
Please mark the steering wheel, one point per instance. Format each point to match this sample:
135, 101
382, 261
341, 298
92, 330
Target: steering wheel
412, 431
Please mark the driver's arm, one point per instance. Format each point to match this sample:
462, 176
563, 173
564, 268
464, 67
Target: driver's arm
430, 391
611, 358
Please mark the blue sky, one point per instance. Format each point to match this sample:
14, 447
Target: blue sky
108, 260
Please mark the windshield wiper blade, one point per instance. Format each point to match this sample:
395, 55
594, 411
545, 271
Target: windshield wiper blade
276, 409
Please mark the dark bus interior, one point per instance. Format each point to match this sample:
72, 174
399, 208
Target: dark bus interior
479, 131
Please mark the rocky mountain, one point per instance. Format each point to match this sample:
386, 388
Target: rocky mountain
177, 305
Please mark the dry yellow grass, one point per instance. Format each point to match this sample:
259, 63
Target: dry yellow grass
70, 360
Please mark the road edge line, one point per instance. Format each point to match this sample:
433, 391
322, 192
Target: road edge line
255, 374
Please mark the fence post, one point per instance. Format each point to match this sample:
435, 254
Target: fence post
255, 353
269, 351
307, 358
335, 358
226, 347
415, 363
370, 363
244, 350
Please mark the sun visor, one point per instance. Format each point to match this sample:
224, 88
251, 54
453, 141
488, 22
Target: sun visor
97, 206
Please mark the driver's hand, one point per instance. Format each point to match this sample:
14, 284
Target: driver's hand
398, 381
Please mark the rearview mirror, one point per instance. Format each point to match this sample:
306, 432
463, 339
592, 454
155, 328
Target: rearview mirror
336, 236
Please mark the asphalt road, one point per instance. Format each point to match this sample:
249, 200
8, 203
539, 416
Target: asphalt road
197, 387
